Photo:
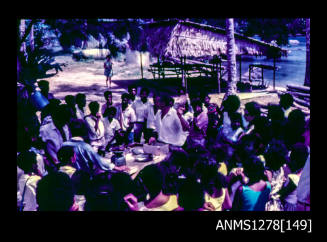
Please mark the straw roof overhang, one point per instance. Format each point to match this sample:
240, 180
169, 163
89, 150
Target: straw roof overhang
177, 38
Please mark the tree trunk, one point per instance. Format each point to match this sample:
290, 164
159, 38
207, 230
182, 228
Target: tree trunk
307, 69
31, 39
231, 59
22, 29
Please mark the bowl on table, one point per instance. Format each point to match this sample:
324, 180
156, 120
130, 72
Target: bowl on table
143, 157
137, 151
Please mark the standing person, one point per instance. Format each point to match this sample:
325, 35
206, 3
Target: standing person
168, 125
108, 97
141, 107
95, 126
54, 131
44, 86
198, 127
111, 125
152, 111
126, 117
80, 105
108, 70
132, 91
71, 104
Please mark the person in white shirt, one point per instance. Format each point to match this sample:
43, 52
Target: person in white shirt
95, 126
168, 125
141, 107
286, 101
126, 117
111, 125
109, 103
152, 111
80, 105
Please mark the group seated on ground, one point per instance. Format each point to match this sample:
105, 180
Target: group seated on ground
221, 158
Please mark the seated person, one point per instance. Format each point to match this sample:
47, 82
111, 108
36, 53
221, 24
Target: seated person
44, 86
285, 102
198, 127
28, 181
67, 157
255, 194
236, 131
55, 193
190, 196
151, 179
216, 192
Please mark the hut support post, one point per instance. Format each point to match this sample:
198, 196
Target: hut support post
261, 76
218, 77
240, 68
274, 73
141, 64
183, 72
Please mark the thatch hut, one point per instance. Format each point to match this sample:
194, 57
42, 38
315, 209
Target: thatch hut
180, 38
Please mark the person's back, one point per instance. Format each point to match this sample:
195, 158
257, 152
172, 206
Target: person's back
254, 197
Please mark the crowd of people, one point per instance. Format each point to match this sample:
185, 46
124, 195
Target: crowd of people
221, 158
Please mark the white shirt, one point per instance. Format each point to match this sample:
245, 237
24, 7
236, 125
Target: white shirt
125, 117
141, 110
29, 196
96, 136
79, 113
110, 128
151, 117
169, 128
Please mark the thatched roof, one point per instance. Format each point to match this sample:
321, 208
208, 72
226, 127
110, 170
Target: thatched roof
177, 38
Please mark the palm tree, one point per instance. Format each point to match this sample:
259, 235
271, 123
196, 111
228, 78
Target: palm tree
307, 69
231, 59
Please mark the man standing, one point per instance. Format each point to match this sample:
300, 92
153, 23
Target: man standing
168, 125
126, 117
141, 107
108, 97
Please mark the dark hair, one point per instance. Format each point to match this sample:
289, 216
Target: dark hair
130, 87
107, 93
70, 100
54, 192
254, 169
122, 183
286, 100
275, 113
78, 128
61, 115
111, 110
64, 154
145, 89
253, 108
190, 195
81, 181
232, 103
196, 103
80, 97
43, 83
212, 179
94, 107
125, 95
276, 155
298, 157
166, 99
151, 178
26, 161
235, 117
295, 127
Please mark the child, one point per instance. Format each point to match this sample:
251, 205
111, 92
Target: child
254, 195
293, 170
67, 158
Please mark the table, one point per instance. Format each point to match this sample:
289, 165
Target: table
135, 166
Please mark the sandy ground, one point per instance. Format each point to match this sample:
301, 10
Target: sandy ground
88, 78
